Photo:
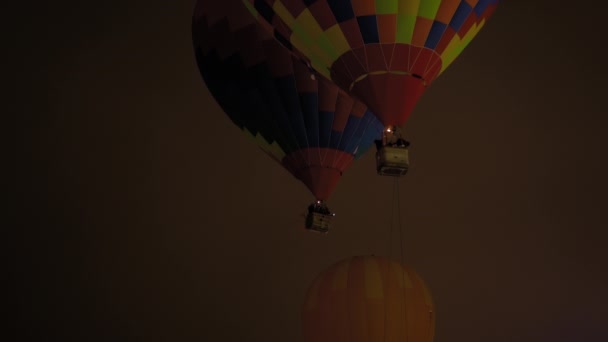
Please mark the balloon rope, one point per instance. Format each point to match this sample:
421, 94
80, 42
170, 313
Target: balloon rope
390, 232
407, 337
400, 226
386, 299
388, 267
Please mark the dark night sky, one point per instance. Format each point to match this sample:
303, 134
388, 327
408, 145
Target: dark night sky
145, 215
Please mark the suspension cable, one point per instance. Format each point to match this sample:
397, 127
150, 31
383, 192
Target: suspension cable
404, 306
388, 266
399, 221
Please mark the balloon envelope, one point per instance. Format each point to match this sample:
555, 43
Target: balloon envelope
368, 298
304, 121
386, 52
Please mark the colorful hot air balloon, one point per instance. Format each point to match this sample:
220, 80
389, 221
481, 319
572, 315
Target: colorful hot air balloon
368, 298
306, 123
386, 52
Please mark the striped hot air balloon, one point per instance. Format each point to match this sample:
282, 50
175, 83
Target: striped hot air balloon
305, 123
386, 52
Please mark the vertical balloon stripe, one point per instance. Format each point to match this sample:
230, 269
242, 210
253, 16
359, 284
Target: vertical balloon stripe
356, 300
373, 131
308, 33
328, 95
341, 9
363, 7
308, 25
447, 37
446, 10
428, 8
283, 13
444, 14
322, 12
289, 96
373, 279
460, 16
349, 132
387, 28
387, 6
375, 301
325, 121
350, 29
335, 138
337, 40
327, 49
409, 7
344, 106
405, 28
310, 112
435, 35
299, 37
481, 6
421, 31
369, 29
353, 143
471, 20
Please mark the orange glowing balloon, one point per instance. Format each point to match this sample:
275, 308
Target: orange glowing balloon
368, 298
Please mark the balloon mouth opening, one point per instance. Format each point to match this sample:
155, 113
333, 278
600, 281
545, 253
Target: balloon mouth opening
320, 180
425, 82
318, 168
390, 96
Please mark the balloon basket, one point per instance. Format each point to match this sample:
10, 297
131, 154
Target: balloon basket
392, 161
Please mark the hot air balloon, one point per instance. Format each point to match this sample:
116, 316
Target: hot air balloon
368, 298
385, 52
302, 120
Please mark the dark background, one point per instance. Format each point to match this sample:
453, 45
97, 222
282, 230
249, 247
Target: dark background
144, 215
